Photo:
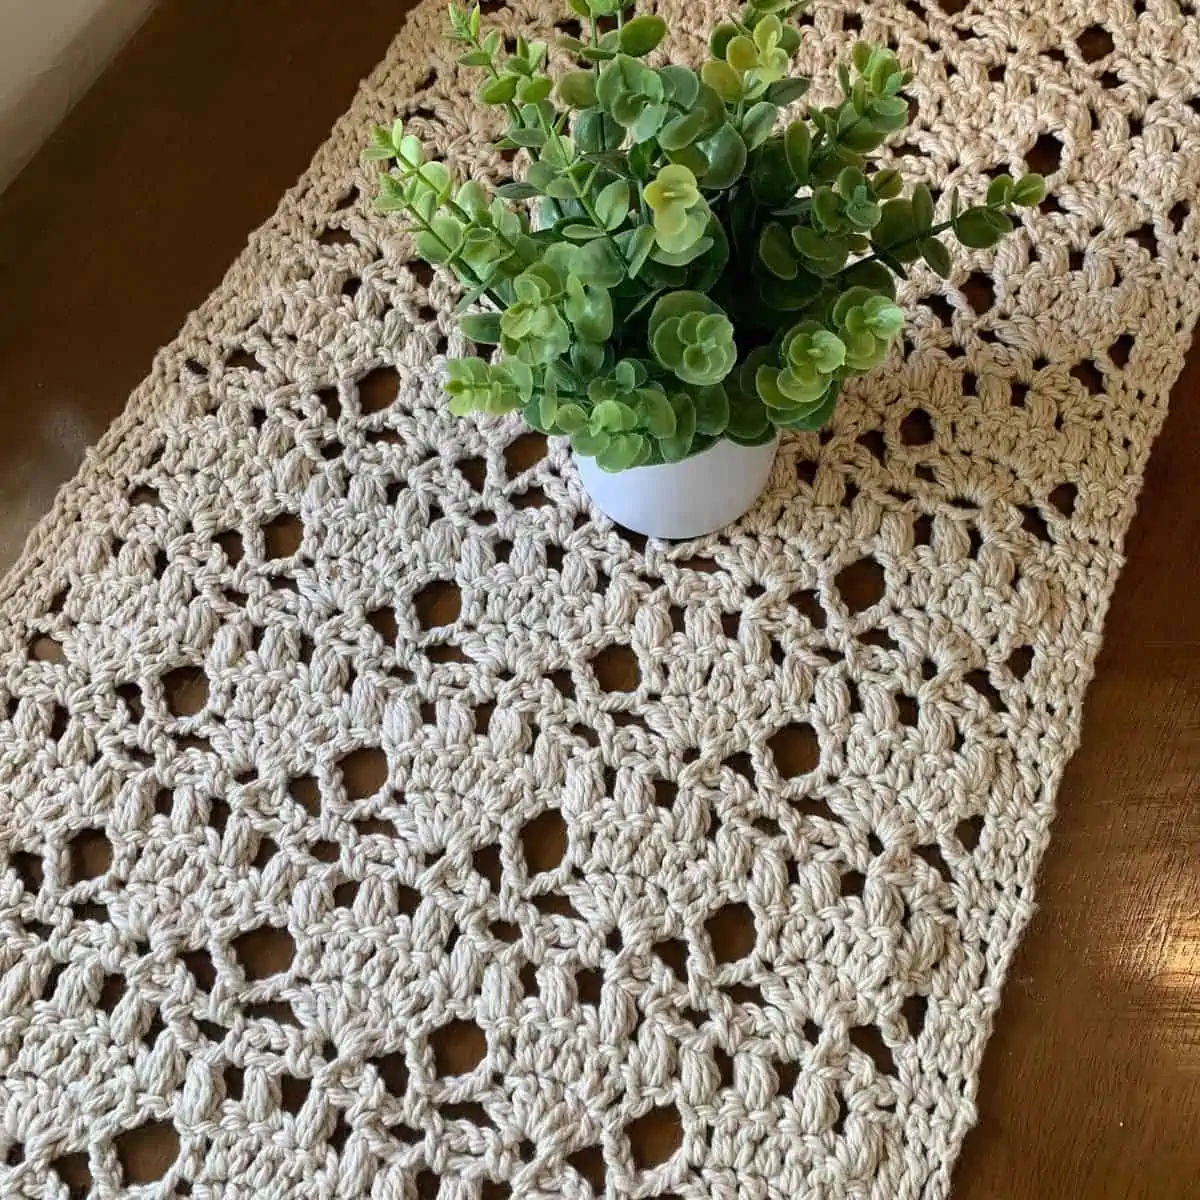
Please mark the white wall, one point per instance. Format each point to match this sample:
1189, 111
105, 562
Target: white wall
51, 51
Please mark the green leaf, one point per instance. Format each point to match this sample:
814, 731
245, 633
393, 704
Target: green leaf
547, 409
535, 90
539, 175
937, 256
622, 452
577, 89
641, 159
712, 106
681, 131
581, 233
786, 91
481, 327
726, 154
531, 139
748, 422
409, 150
596, 132
561, 187
817, 417
476, 58
681, 85
1000, 191
590, 445
499, 90
641, 35
797, 145
649, 122
712, 410
1029, 190
922, 208
612, 205
639, 249
517, 191
660, 416
678, 304
691, 157
611, 416
598, 263
721, 36
775, 251
981, 228
589, 309
675, 448
758, 123
570, 418
896, 224
723, 79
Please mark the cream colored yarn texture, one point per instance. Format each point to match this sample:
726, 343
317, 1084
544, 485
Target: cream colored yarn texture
581, 865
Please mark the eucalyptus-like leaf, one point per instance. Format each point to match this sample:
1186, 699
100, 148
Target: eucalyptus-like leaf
786, 91
641, 35
596, 133
681, 131
612, 204
1029, 190
637, 250
517, 191
758, 123
1000, 190
797, 144
598, 262
723, 79
499, 90
534, 90
922, 208
481, 327
623, 451
677, 447
658, 413
726, 155
577, 89
937, 256
981, 228
886, 184
775, 251
570, 418
590, 445
681, 85
531, 139
712, 410
719, 39
649, 122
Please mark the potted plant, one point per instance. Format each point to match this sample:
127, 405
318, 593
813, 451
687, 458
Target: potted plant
702, 265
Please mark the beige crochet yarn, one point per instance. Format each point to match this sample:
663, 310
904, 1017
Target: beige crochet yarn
584, 865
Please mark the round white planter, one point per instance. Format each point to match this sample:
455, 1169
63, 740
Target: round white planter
685, 499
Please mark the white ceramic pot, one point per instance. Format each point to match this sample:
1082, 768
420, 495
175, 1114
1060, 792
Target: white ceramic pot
685, 499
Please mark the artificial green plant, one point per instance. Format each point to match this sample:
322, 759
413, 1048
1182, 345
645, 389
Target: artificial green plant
701, 260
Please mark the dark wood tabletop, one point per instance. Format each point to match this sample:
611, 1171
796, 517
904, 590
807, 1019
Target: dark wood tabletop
128, 218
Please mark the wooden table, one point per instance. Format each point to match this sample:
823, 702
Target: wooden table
129, 217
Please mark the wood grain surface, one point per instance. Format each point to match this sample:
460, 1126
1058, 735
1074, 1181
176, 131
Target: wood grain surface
129, 217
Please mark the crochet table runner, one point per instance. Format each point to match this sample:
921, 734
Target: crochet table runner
379, 820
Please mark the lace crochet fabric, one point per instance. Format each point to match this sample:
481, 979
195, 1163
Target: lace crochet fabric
380, 820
